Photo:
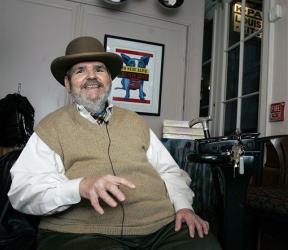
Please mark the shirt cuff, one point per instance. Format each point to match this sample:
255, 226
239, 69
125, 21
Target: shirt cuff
180, 203
69, 193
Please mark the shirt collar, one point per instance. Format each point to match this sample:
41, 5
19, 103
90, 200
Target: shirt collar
101, 120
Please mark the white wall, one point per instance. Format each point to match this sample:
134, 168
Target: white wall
34, 32
28, 44
277, 90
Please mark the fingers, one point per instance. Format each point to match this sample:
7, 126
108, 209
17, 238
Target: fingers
105, 188
107, 193
199, 228
193, 221
206, 227
202, 227
108, 189
192, 230
116, 192
178, 223
96, 205
122, 181
107, 198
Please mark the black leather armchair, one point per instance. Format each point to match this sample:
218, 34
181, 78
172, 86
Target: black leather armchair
17, 230
267, 200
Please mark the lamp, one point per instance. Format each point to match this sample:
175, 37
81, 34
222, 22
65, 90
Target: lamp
171, 3
115, 1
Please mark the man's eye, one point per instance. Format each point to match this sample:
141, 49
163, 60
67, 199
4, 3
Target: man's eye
79, 71
100, 70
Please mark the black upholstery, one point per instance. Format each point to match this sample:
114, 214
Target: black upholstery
17, 230
268, 204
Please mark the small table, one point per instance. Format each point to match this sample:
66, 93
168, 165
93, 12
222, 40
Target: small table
231, 187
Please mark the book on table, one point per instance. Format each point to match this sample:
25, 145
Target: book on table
175, 129
178, 136
177, 123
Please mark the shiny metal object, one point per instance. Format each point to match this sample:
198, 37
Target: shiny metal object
204, 122
171, 3
115, 2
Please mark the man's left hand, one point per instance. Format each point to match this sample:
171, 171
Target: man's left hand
193, 222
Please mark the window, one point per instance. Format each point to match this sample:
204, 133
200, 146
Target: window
207, 59
243, 56
231, 65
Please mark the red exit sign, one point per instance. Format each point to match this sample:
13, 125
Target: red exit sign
277, 112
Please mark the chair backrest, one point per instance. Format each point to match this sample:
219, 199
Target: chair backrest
281, 146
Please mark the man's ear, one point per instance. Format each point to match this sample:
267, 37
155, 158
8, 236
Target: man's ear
67, 84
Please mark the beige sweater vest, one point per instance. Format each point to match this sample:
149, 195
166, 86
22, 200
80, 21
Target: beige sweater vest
83, 148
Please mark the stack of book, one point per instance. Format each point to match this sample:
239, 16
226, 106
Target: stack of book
174, 129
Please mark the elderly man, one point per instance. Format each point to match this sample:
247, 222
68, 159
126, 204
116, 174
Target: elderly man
97, 175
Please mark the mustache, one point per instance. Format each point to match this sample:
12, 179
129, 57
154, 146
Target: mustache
94, 83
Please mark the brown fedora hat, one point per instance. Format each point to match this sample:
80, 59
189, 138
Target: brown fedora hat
83, 49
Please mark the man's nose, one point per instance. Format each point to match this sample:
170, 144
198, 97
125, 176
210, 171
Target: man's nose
92, 74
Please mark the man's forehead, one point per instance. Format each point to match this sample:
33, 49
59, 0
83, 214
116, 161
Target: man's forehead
85, 64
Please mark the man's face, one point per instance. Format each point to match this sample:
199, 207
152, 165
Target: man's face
89, 84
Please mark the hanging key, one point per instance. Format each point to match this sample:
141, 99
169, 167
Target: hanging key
236, 152
241, 165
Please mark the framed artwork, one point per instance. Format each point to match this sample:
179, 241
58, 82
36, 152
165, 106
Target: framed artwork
138, 86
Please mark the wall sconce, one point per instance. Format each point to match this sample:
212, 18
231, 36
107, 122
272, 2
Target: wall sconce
115, 2
165, 3
171, 3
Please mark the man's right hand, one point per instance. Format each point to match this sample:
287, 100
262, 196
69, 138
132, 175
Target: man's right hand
104, 187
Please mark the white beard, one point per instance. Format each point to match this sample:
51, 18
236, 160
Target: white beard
96, 106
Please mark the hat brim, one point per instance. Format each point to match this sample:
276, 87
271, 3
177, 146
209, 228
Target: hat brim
61, 65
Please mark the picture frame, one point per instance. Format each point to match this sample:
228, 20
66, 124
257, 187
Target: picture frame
138, 87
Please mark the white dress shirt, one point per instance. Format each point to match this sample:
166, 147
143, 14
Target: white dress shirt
40, 187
